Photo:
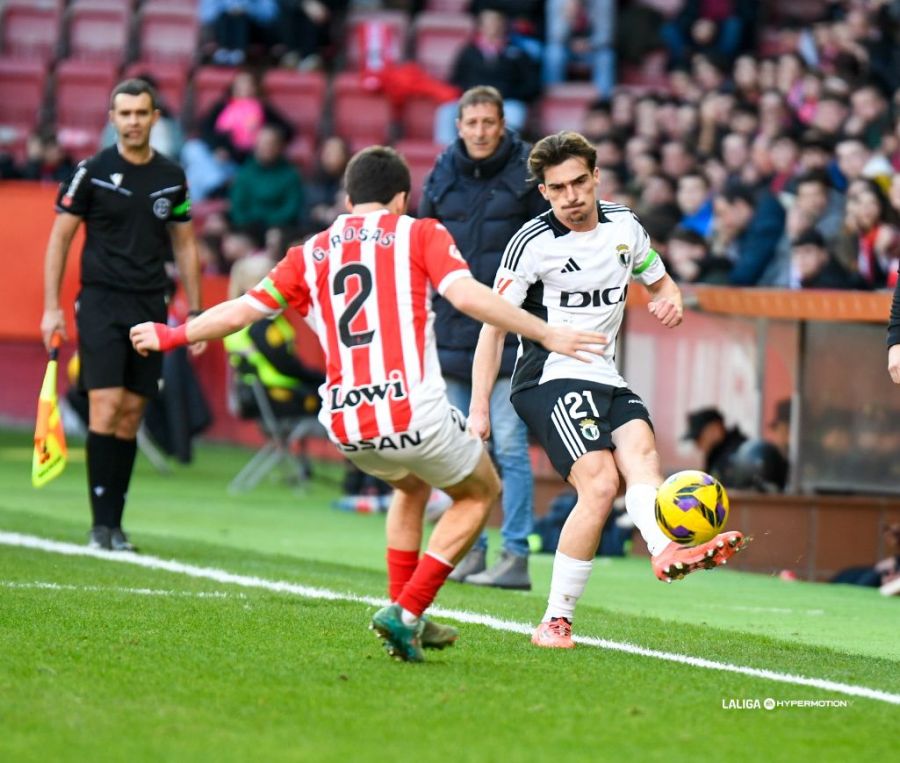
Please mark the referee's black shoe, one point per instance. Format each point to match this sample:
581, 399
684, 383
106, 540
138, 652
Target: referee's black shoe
100, 538
119, 541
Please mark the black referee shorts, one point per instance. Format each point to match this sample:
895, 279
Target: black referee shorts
104, 317
570, 417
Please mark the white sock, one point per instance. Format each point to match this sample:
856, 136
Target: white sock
408, 617
640, 503
570, 576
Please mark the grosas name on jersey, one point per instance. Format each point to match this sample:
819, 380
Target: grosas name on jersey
611, 296
351, 233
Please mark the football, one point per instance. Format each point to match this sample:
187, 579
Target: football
691, 507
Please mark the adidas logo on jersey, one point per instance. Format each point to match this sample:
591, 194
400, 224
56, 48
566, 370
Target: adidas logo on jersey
571, 266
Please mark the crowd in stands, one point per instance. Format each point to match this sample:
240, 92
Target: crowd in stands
757, 147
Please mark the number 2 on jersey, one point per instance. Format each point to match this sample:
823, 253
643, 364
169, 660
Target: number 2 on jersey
339, 285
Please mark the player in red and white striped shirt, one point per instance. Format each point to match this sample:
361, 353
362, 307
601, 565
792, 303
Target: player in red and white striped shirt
365, 286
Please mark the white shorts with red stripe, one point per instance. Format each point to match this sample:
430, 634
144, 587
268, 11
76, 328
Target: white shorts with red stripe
441, 455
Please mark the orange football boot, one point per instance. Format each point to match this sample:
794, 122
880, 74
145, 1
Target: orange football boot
676, 560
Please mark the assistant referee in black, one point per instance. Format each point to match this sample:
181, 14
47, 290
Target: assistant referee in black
135, 206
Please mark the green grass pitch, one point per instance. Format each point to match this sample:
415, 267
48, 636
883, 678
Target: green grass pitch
108, 661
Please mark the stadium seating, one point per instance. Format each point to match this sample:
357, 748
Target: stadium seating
298, 96
398, 21
30, 29
361, 117
21, 97
420, 155
168, 32
82, 104
563, 106
417, 118
98, 29
301, 152
171, 80
210, 84
438, 38
448, 6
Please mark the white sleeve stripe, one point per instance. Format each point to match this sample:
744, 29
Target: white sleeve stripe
514, 242
257, 305
451, 277
514, 256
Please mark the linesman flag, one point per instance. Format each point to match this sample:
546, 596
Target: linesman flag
50, 452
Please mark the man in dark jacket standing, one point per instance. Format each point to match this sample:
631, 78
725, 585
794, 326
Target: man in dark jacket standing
706, 427
479, 190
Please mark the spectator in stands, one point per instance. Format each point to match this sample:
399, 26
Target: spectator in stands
713, 26
228, 135
814, 267
816, 205
491, 59
677, 158
325, 189
689, 260
267, 190
747, 230
598, 122
167, 137
46, 160
785, 156
856, 160
239, 244
581, 31
305, 27
695, 203
874, 222
234, 23
479, 189
706, 429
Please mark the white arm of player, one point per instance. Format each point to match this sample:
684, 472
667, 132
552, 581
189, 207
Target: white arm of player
476, 300
488, 354
665, 301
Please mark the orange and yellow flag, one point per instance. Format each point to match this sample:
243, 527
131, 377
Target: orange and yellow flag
50, 452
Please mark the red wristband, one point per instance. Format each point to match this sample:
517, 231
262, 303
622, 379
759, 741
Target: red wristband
168, 338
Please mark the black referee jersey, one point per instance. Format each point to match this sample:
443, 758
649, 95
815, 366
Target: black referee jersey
126, 209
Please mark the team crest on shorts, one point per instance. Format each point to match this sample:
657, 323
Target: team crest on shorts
589, 429
161, 208
623, 253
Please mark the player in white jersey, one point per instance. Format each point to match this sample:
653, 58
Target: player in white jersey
365, 285
572, 266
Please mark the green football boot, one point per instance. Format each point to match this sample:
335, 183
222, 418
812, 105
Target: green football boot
437, 635
401, 641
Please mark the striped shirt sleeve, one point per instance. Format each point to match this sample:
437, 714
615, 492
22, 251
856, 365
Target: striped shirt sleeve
283, 286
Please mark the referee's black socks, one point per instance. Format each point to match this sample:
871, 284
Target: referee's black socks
126, 450
102, 460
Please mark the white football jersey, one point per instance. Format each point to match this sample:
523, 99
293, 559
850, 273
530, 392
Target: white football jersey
577, 279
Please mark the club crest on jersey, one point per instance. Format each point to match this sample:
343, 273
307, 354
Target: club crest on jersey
623, 254
589, 429
161, 208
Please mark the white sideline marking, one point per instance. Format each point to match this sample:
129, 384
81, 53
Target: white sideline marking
45, 586
281, 586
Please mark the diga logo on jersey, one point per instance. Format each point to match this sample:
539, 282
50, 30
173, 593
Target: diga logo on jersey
611, 296
623, 254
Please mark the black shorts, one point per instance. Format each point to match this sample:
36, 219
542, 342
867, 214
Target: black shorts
569, 417
104, 317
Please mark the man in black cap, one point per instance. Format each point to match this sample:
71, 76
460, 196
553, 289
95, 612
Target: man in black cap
814, 267
706, 427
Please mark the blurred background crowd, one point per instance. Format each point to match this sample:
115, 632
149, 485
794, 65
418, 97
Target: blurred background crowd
759, 142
